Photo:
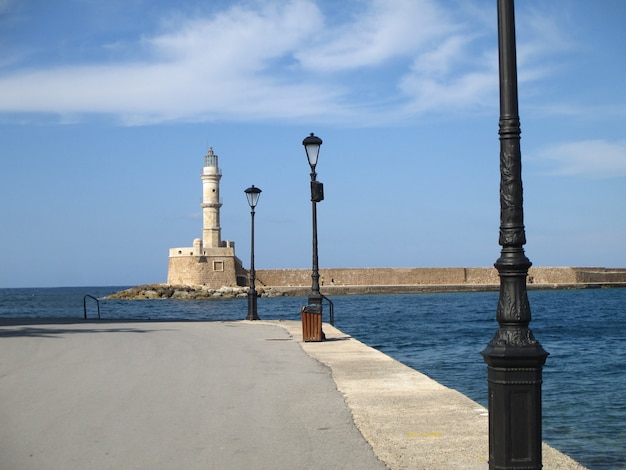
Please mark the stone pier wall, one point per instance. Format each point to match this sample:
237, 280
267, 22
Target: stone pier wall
200, 275
433, 276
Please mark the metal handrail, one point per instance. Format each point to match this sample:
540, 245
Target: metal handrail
85, 305
332, 309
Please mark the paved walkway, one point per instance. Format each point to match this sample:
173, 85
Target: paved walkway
223, 395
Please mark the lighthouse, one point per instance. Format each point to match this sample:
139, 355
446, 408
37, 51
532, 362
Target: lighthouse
210, 261
211, 175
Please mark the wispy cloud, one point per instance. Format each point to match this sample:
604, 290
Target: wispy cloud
588, 158
441, 78
277, 60
380, 32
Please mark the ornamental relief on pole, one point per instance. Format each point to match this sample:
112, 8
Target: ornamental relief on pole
513, 305
512, 236
518, 337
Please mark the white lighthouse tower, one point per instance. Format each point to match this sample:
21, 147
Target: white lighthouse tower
210, 261
211, 175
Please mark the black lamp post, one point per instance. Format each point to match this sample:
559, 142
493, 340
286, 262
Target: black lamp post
514, 357
252, 194
312, 145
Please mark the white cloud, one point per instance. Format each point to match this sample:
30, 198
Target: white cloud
280, 60
541, 39
240, 39
441, 78
220, 67
383, 30
589, 158
439, 60
459, 71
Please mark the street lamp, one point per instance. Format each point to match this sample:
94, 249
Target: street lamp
312, 145
252, 194
312, 313
514, 357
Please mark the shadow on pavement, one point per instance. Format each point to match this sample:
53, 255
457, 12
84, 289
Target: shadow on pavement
53, 327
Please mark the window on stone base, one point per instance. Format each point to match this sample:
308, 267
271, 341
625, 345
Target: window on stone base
218, 265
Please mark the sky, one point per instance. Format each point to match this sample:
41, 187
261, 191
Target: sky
108, 108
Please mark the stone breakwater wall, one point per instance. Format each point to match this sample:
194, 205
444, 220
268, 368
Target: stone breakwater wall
378, 276
344, 281
435, 276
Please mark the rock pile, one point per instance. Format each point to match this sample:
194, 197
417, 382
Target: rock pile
167, 291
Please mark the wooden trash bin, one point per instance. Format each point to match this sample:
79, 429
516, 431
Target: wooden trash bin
312, 323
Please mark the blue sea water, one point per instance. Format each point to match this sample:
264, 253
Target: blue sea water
441, 335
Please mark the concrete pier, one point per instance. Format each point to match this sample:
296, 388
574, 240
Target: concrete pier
198, 395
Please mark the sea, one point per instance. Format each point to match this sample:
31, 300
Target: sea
438, 334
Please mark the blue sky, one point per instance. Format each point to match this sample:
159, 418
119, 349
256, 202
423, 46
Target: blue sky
107, 109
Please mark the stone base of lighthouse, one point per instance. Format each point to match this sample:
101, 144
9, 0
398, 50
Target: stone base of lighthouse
210, 267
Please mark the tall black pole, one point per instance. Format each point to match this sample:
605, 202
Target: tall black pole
315, 297
514, 358
252, 296
312, 313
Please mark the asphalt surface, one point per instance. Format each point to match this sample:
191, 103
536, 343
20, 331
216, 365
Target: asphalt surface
224, 395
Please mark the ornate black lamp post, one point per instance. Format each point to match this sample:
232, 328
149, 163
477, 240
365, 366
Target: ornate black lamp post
312, 145
514, 358
252, 194
312, 313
